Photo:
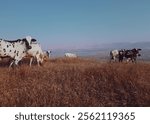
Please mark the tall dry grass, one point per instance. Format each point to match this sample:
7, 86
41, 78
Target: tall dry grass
76, 82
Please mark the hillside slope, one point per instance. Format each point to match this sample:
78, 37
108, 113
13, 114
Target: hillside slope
76, 82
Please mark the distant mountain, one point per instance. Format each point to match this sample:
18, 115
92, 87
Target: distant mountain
123, 45
142, 45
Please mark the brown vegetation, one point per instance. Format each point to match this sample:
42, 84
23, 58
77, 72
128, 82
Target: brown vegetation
76, 82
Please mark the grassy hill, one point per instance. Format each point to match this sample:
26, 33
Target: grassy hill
76, 82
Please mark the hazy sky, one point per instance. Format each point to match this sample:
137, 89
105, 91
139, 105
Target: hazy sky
75, 23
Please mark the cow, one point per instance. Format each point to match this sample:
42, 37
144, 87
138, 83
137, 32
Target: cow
15, 49
114, 55
117, 55
35, 53
47, 54
70, 55
131, 55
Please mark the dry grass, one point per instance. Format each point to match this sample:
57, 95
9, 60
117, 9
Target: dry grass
76, 82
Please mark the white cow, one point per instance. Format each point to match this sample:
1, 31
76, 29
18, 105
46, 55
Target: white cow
70, 55
16, 49
35, 52
114, 54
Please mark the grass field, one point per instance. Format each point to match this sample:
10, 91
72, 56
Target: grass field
76, 82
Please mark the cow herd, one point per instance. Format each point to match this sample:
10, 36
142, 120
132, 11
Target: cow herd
128, 55
28, 47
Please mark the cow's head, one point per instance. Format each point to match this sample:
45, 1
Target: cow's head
136, 52
28, 40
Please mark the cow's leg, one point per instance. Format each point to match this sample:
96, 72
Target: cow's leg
39, 59
16, 62
17, 59
38, 62
128, 59
120, 59
134, 60
31, 59
114, 58
11, 63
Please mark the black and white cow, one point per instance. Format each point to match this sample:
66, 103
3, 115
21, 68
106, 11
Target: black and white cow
47, 53
16, 49
131, 55
117, 55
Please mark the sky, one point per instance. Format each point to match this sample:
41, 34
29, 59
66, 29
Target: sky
61, 24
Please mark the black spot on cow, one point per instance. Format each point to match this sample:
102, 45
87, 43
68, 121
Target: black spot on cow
9, 50
4, 50
15, 51
13, 45
7, 46
23, 51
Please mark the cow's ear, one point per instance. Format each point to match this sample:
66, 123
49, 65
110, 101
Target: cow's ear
33, 40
